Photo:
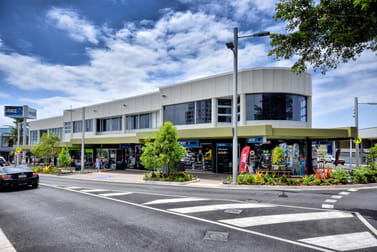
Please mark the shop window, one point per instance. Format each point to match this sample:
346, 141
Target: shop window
141, 121
89, 125
58, 132
189, 113
276, 106
203, 111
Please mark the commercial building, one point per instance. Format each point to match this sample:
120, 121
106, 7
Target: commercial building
274, 109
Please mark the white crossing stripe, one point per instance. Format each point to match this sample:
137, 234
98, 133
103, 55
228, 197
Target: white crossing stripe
175, 200
74, 187
208, 208
344, 242
114, 194
327, 206
330, 200
284, 218
336, 197
353, 190
94, 190
344, 193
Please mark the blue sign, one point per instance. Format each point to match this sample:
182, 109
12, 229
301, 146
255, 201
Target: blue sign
224, 145
189, 143
125, 146
14, 111
259, 139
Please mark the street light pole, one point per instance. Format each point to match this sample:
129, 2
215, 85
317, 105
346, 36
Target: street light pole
18, 144
83, 140
234, 47
357, 157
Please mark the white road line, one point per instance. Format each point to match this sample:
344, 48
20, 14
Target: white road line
198, 209
344, 242
353, 190
202, 220
5, 244
175, 200
344, 193
115, 194
336, 196
327, 206
74, 187
95, 190
366, 223
284, 218
330, 200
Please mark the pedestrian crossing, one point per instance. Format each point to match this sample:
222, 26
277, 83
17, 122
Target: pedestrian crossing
323, 229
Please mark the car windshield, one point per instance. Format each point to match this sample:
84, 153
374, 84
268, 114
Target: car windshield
15, 169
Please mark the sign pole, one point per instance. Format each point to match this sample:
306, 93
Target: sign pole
18, 144
24, 141
357, 153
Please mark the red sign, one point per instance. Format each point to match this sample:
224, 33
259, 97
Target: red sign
244, 159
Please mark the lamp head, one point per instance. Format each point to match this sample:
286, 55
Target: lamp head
230, 45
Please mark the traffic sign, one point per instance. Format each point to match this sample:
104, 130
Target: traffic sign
18, 150
358, 140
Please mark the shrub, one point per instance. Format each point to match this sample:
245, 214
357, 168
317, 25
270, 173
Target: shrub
326, 181
269, 179
317, 181
293, 181
245, 178
228, 180
147, 176
284, 179
308, 180
341, 175
359, 177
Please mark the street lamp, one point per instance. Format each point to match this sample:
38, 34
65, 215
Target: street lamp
234, 47
357, 129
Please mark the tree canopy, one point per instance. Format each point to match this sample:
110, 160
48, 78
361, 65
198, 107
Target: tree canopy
47, 147
64, 158
325, 34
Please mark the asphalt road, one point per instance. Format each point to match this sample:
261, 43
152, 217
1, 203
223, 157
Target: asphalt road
77, 215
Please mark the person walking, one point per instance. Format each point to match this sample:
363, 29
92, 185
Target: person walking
98, 164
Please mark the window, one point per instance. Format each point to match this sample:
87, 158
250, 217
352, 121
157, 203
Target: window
41, 132
77, 126
188, 113
110, 124
224, 110
58, 132
276, 106
67, 127
142, 121
89, 125
33, 137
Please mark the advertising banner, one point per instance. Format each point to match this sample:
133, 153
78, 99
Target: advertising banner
14, 111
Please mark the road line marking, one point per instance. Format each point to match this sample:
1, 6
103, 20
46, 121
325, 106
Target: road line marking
284, 218
336, 196
344, 242
366, 223
74, 187
344, 193
115, 194
95, 190
5, 244
198, 209
353, 190
200, 219
330, 200
175, 200
327, 206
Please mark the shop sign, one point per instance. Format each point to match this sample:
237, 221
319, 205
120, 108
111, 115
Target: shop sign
259, 139
79, 149
224, 145
189, 143
14, 111
125, 146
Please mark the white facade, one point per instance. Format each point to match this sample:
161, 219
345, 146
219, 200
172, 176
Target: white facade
251, 81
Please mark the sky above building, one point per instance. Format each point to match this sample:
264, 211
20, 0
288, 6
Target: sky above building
58, 54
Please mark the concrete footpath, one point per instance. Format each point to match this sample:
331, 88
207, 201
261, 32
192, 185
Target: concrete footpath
5, 245
206, 180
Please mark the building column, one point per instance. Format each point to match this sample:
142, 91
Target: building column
162, 115
95, 126
242, 109
124, 124
214, 112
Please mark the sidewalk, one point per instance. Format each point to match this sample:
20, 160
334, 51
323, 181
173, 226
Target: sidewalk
206, 180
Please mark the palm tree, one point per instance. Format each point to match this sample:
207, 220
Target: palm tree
13, 133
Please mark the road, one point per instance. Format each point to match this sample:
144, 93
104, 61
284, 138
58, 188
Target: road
80, 215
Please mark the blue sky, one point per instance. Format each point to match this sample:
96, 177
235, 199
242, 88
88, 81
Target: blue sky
54, 54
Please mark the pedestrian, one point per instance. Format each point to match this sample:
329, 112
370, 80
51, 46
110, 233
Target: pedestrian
106, 164
98, 164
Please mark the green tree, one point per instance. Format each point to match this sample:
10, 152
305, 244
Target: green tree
164, 152
324, 34
372, 157
64, 159
47, 147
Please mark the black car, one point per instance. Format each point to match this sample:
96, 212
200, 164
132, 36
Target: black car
11, 176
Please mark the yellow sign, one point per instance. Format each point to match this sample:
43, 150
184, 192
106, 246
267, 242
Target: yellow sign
358, 140
18, 150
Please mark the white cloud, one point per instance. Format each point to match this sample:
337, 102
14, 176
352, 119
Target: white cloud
77, 28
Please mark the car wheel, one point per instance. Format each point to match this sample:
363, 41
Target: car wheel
35, 185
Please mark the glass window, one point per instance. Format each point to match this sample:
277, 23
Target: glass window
180, 114
41, 132
110, 124
89, 125
77, 126
34, 137
276, 106
67, 127
144, 121
224, 110
203, 111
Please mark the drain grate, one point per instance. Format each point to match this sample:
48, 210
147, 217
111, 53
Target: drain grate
216, 236
233, 211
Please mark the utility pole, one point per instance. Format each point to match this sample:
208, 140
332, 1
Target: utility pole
24, 140
83, 141
18, 144
357, 153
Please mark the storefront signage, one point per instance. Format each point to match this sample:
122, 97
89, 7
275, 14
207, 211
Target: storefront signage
259, 139
224, 145
125, 146
14, 111
189, 143
79, 149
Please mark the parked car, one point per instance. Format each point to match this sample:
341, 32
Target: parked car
331, 159
11, 176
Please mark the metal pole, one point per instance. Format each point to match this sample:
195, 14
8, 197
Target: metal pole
350, 155
83, 140
357, 153
18, 144
24, 141
235, 103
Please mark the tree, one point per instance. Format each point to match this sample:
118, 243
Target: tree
64, 159
47, 147
372, 156
164, 152
14, 133
324, 34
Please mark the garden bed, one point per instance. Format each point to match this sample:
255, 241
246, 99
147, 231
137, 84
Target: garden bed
171, 177
48, 169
